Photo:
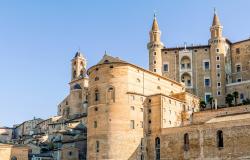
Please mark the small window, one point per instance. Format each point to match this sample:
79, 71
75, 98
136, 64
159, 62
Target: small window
149, 110
238, 79
218, 75
141, 109
157, 148
111, 66
206, 65
155, 53
220, 143
205, 49
154, 62
96, 108
218, 93
165, 67
186, 142
188, 65
218, 66
241, 96
182, 66
149, 121
97, 146
132, 108
237, 50
195, 50
218, 84
70, 153
95, 124
217, 50
97, 95
217, 58
132, 124
154, 70
238, 68
207, 82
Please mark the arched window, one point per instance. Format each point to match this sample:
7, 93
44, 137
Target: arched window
97, 95
81, 73
13, 158
77, 86
110, 95
220, 143
74, 74
97, 146
157, 148
186, 142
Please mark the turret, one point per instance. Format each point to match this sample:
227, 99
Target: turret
218, 52
79, 64
154, 46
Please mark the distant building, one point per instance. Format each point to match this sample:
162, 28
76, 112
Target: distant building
212, 70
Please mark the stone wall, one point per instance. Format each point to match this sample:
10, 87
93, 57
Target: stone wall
203, 142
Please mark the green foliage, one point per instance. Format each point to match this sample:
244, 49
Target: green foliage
203, 104
229, 99
236, 96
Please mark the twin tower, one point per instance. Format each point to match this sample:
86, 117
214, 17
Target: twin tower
155, 45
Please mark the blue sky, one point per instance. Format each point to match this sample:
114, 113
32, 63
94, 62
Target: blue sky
39, 38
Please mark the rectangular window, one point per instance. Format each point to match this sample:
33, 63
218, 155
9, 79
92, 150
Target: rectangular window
165, 67
188, 82
132, 107
188, 65
207, 82
206, 65
237, 50
95, 124
132, 124
218, 84
218, 66
217, 50
238, 68
182, 66
241, 96
218, 75
207, 97
217, 58
218, 93
97, 146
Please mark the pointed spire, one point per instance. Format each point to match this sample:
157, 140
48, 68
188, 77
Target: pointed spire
216, 21
155, 26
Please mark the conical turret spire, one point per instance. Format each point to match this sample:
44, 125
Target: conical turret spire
216, 21
155, 26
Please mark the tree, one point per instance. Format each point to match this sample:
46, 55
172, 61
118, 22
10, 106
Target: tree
236, 96
203, 105
210, 101
229, 99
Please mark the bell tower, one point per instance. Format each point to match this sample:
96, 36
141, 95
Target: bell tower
78, 66
154, 46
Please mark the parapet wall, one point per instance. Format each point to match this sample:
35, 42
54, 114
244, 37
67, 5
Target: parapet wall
204, 116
